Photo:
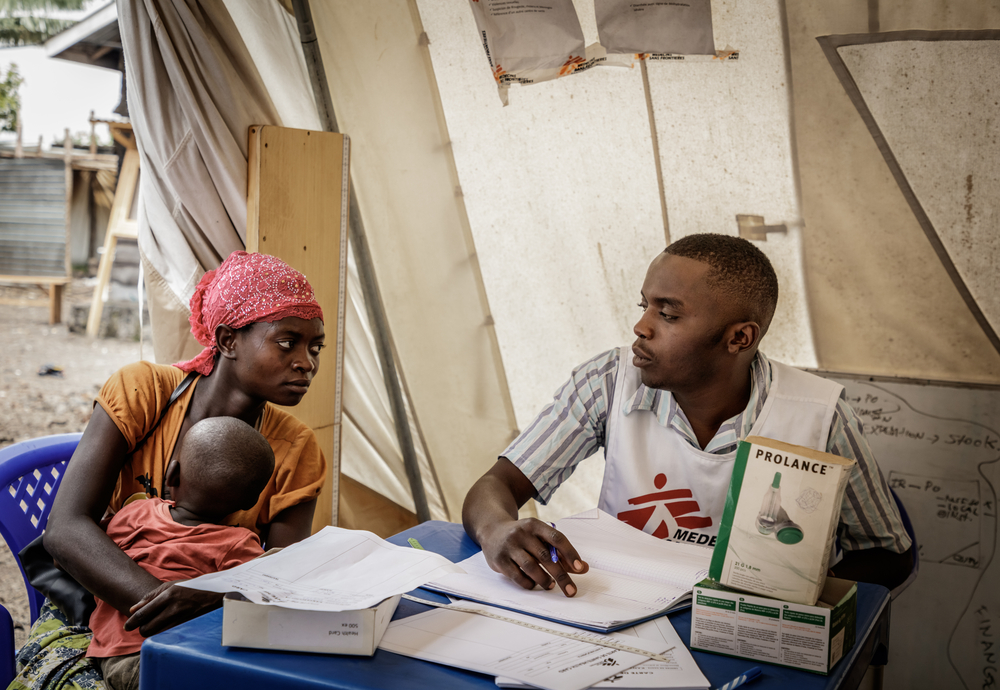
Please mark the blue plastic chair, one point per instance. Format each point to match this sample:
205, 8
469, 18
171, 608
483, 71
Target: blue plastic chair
908, 526
30, 473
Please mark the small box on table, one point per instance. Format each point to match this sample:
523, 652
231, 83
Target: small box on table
780, 520
246, 624
812, 638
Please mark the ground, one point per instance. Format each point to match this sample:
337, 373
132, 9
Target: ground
32, 405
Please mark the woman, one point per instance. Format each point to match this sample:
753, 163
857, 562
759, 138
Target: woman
262, 331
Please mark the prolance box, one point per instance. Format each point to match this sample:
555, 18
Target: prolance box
780, 520
813, 638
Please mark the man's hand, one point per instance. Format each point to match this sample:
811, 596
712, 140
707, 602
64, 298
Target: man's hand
519, 549
166, 606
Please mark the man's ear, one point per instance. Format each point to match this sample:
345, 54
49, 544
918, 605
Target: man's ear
172, 477
225, 340
743, 336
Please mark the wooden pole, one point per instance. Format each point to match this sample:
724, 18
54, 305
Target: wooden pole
18, 148
93, 136
366, 270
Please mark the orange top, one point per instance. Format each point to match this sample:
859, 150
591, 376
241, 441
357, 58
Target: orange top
169, 551
134, 397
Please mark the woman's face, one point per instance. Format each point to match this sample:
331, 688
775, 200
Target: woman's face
276, 361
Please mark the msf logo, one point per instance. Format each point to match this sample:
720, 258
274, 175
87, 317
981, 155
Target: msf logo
679, 503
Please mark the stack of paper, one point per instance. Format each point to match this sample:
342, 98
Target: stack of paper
527, 655
633, 577
333, 570
679, 673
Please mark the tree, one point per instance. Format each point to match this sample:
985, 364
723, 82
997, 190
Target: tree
10, 101
23, 22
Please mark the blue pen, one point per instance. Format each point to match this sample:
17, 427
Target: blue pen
552, 549
740, 680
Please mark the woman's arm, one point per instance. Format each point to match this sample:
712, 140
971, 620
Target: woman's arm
74, 538
73, 535
291, 525
167, 606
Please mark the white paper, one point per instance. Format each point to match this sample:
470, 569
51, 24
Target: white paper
527, 41
632, 576
533, 657
680, 671
680, 27
333, 570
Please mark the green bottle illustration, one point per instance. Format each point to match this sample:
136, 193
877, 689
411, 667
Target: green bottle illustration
767, 518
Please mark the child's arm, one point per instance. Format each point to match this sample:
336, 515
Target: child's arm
157, 610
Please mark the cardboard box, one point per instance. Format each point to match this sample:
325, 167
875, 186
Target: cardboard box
812, 638
780, 520
246, 624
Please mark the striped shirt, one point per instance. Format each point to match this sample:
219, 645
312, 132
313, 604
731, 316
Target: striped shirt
573, 427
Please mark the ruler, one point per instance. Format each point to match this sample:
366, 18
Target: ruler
592, 638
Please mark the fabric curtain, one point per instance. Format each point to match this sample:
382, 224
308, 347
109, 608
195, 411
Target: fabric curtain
200, 74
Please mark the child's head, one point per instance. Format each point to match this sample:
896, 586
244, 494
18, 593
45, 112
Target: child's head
223, 465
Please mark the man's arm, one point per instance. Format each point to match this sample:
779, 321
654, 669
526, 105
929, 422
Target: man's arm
878, 566
877, 548
516, 548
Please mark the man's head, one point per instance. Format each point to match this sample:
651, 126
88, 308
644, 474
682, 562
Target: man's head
707, 300
738, 271
223, 466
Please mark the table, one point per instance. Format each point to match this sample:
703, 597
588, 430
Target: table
191, 655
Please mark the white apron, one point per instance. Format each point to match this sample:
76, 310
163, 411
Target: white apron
657, 482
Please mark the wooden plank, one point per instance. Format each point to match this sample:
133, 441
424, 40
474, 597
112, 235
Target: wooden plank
55, 303
23, 302
35, 280
119, 225
297, 211
325, 502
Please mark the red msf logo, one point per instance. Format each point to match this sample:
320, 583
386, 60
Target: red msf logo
680, 509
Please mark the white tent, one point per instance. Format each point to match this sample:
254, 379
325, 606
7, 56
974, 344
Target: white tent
509, 244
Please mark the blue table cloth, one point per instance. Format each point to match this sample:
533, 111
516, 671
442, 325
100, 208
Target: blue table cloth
192, 656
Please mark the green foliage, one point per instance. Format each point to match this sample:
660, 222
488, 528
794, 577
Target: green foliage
23, 22
10, 101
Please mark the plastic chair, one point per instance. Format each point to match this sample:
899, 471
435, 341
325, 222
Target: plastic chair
908, 526
30, 473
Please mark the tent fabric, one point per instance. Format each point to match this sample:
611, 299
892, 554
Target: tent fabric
385, 96
194, 92
919, 94
881, 301
504, 255
561, 190
510, 243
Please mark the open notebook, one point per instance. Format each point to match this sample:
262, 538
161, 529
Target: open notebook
633, 577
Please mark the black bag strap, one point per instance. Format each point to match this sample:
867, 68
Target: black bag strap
58, 586
178, 392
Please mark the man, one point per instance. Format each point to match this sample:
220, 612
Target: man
670, 415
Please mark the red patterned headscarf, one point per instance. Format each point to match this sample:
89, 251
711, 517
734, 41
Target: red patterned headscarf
245, 289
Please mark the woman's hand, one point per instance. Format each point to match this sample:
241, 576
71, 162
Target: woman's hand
165, 606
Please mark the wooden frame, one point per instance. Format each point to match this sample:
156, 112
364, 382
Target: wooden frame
297, 210
120, 226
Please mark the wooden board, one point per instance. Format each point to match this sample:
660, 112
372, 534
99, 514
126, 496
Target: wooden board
297, 205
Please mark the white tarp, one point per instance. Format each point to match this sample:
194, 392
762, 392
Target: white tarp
509, 243
194, 91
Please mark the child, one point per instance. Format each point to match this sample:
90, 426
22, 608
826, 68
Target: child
222, 467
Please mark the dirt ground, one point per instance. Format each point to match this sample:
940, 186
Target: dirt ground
32, 405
